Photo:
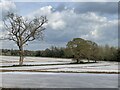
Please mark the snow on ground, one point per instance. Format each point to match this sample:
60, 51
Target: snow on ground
13, 60
101, 66
22, 79
58, 80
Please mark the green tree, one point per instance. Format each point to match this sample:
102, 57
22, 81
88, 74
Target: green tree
93, 51
78, 47
83, 49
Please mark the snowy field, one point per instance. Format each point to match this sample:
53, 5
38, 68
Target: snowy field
58, 80
101, 66
13, 60
46, 76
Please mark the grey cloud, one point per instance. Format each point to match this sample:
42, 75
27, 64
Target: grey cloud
78, 24
101, 7
83, 7
81, 25
7, 6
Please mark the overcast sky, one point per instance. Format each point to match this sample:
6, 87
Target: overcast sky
96, 21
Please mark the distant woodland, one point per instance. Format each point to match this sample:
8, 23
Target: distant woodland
77, 49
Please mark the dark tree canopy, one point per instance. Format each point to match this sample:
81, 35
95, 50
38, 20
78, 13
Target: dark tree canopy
82, 49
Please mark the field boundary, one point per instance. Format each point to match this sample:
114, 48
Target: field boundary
96, 72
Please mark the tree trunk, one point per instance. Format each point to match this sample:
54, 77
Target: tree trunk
95, 61
77, 61
21, 55
88, 60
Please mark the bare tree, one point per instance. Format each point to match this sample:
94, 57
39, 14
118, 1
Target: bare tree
22, 30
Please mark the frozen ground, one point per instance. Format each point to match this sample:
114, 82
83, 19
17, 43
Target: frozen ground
33, 76
92, 67
13, 60
58, 80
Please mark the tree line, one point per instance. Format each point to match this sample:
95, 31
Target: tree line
77, 49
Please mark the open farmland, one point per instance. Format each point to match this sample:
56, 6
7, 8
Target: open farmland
44, 73
58, 80
55, 65
13, 60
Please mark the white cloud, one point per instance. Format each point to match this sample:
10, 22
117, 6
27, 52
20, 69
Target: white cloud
43, 11
46, 9
105, 33
57, 24
54, 18
1, 25
67, 24
7, 6
86, 25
